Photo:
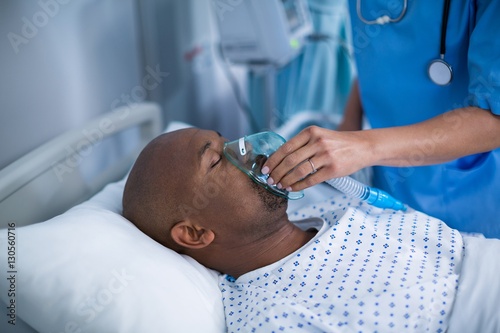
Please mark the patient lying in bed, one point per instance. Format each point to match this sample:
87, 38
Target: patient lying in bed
336, 267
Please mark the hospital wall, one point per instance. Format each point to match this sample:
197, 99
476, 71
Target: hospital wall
65, 62
182, 36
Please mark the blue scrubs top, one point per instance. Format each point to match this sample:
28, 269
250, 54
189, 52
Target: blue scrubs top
395, 90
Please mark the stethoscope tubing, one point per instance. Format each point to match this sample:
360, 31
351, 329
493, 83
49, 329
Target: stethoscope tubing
439, 71
383, 19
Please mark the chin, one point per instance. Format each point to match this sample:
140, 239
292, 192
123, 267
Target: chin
271, 201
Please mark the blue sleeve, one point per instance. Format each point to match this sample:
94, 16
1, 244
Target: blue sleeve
484, 56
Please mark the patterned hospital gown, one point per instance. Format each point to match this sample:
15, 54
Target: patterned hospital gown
366, 270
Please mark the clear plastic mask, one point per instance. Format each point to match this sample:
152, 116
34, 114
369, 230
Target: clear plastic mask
249, 155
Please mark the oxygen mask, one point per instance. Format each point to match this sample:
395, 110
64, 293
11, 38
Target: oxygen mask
249, 154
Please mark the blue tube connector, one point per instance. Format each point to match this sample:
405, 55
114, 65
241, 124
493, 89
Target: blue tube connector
382, 199
373, 196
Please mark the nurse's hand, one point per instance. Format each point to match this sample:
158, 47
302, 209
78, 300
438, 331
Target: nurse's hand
315, 155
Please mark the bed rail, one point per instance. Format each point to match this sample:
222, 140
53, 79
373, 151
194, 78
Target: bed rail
52, 178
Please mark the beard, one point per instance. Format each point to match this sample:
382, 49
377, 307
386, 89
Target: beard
271, 201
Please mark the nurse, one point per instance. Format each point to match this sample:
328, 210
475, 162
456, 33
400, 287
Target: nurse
429, 86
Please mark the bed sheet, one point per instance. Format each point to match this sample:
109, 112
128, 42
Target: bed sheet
477, 304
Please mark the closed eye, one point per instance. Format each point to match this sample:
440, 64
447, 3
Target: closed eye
216, 162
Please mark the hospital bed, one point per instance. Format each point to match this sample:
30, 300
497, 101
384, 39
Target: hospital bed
71, 263
74, 263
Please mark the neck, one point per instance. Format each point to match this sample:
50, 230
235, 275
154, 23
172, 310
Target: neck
243, 257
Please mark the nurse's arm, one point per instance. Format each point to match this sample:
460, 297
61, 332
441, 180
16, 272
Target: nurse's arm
457, 133
334, 154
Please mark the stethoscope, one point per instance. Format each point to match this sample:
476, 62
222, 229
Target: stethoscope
439, 71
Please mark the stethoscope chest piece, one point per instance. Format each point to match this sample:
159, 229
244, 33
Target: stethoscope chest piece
440, 72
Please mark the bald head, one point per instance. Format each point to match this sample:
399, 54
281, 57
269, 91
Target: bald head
158, 178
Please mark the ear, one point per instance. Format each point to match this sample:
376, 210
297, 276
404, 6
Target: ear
190, 235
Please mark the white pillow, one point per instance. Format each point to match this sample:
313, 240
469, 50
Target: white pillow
91, 270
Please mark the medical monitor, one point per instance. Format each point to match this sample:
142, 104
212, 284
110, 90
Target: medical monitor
256, 32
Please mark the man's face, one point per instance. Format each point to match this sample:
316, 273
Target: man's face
217, 190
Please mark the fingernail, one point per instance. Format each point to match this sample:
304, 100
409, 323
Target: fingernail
279, 186
270, 181
289, 189
265, 170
